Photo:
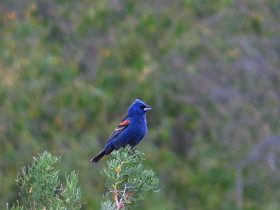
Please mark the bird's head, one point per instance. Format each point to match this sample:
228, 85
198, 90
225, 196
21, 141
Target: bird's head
138, 107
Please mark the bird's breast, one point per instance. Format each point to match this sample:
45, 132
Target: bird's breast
141, 126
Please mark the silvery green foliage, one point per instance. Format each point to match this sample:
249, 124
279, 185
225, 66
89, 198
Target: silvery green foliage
108, 205
41, 188
127, 179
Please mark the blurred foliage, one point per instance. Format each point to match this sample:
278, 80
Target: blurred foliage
209, 69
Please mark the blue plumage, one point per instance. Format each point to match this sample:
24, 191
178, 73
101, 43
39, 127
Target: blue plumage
130, 131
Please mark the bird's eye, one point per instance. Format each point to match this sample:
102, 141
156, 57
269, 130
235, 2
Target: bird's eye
142, 106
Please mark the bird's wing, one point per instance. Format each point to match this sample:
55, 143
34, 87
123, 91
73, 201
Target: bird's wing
121, 127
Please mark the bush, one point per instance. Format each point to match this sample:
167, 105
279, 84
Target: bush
41, 187
127, 179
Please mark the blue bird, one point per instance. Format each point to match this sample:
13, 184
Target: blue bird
130, 131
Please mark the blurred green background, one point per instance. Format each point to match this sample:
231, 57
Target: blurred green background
210, 70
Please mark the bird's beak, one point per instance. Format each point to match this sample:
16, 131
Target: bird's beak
147, 108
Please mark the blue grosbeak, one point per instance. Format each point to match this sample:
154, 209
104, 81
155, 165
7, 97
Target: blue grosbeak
130, 131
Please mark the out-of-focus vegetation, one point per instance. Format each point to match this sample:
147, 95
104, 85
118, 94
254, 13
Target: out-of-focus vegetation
210, 69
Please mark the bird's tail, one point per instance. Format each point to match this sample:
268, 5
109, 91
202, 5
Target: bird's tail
99, 156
